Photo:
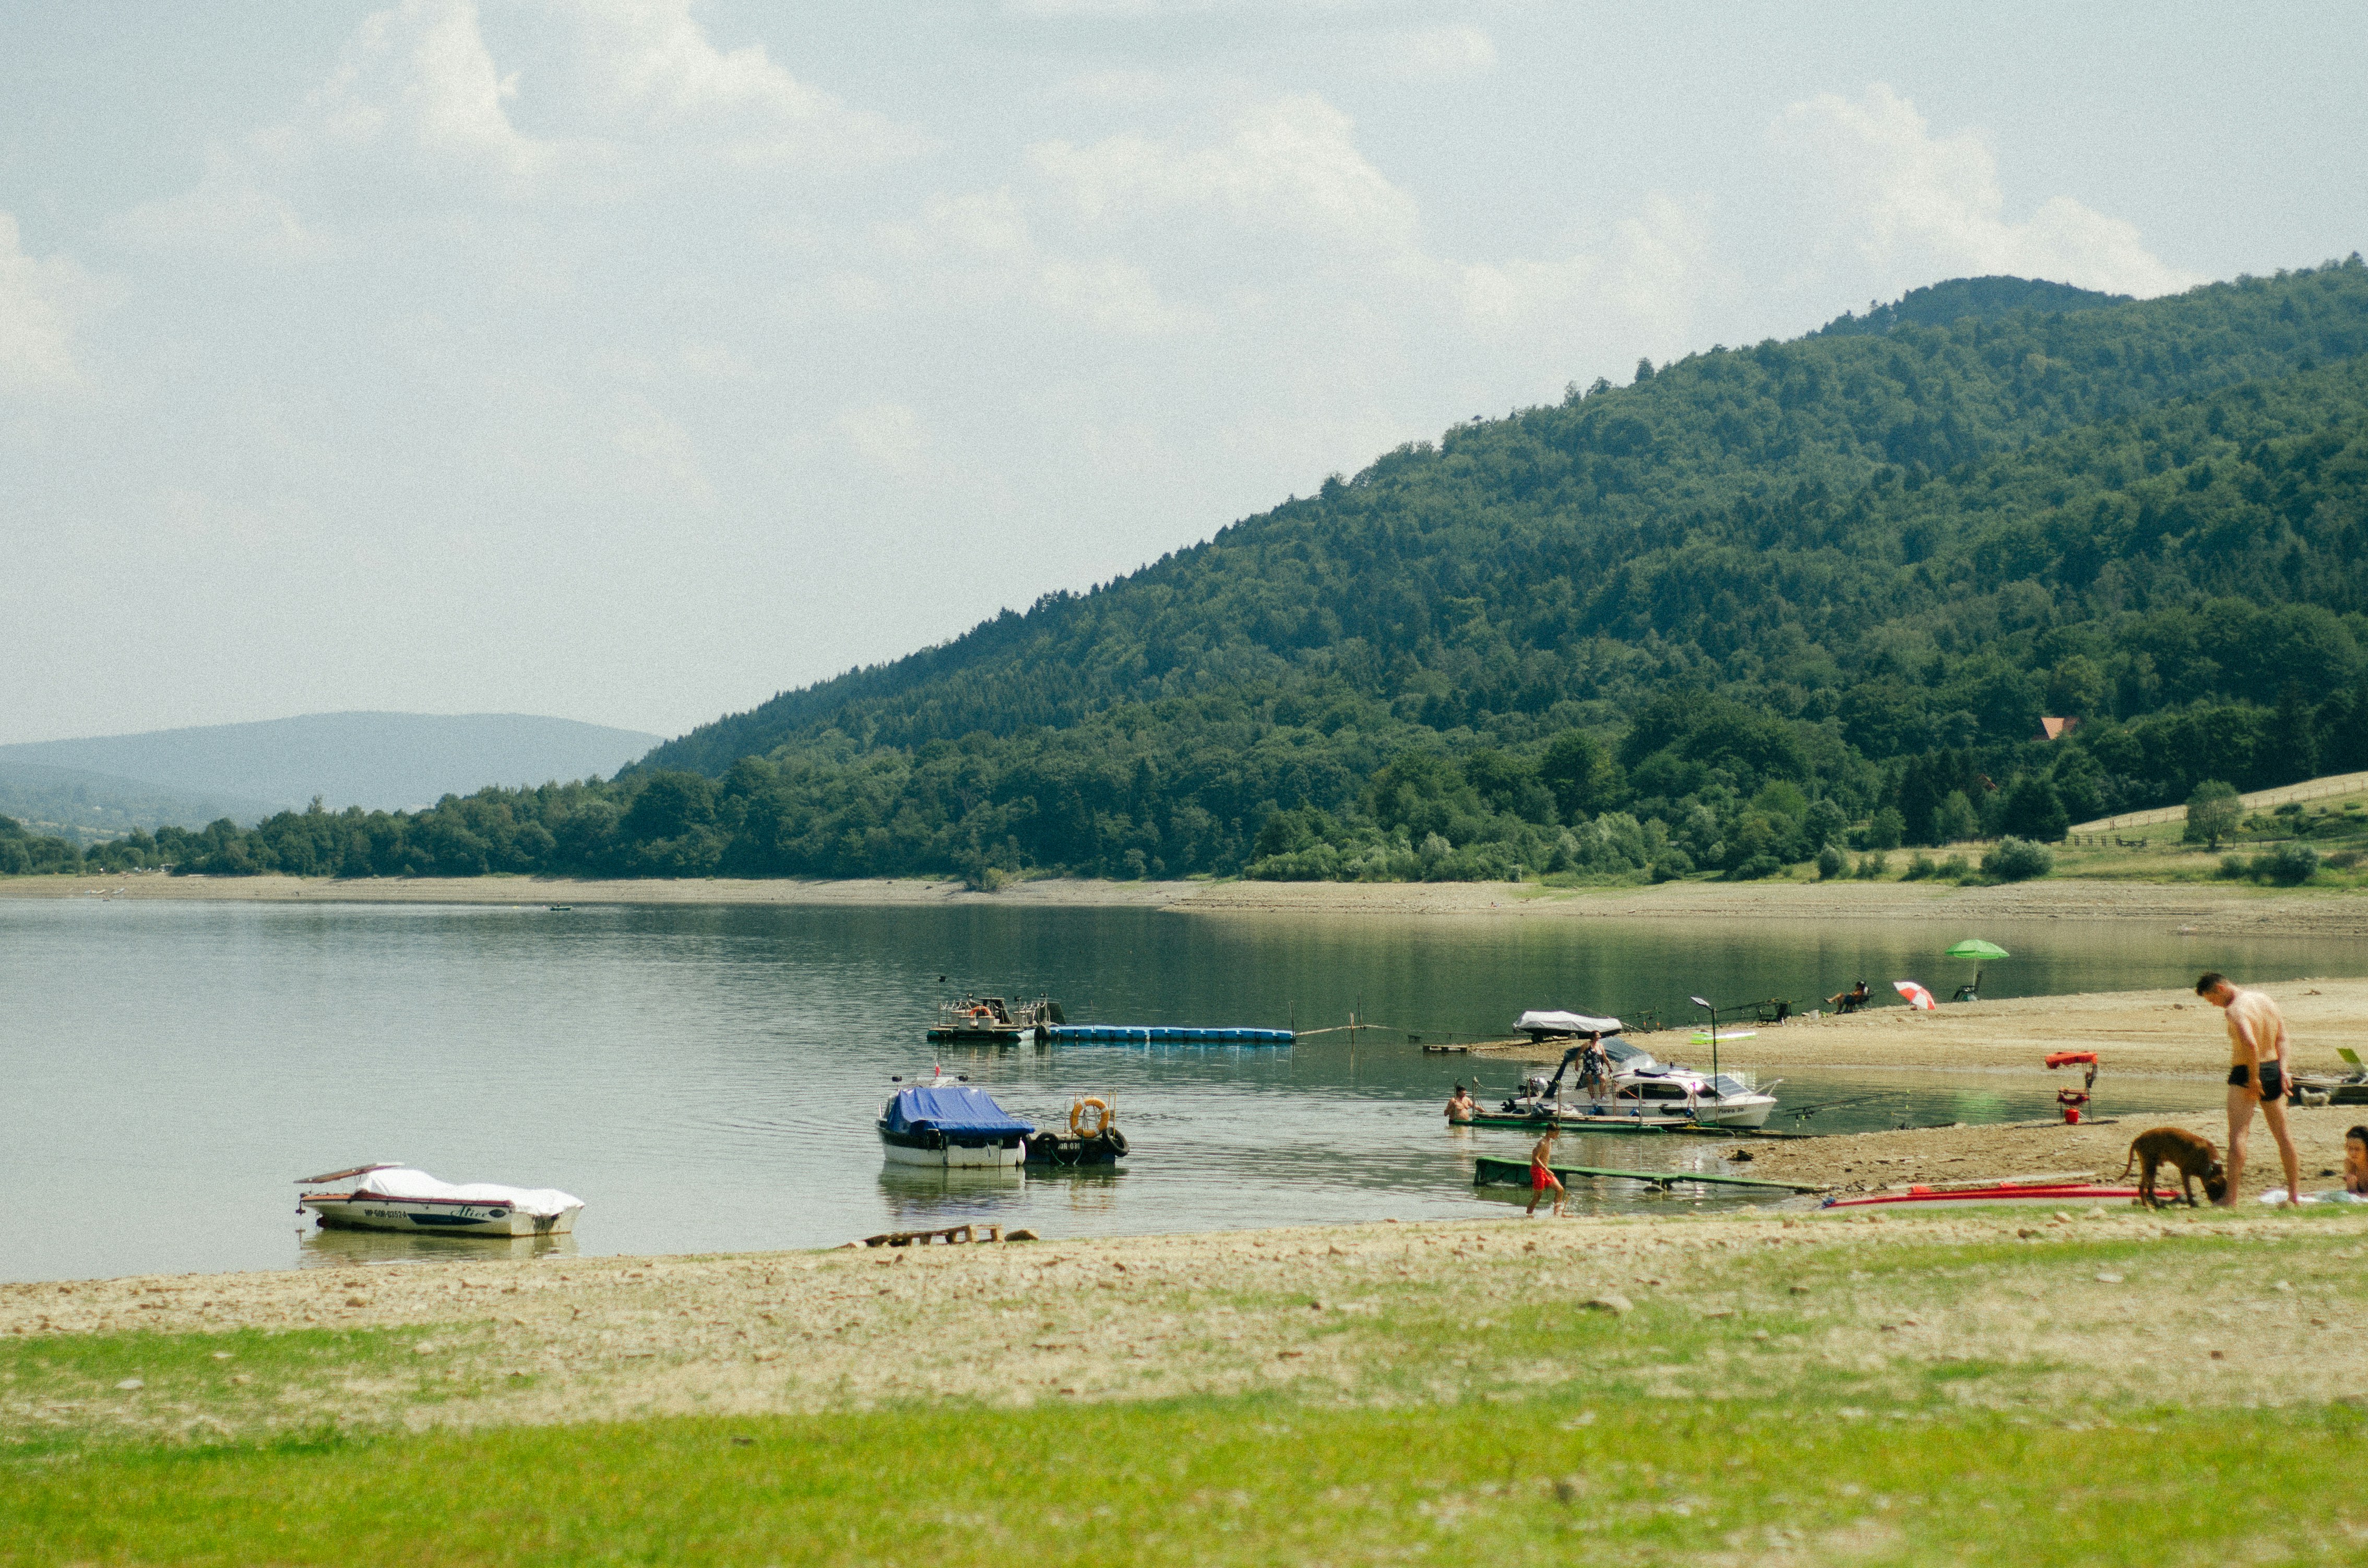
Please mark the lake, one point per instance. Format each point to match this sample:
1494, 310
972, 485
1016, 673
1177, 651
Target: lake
706, 1078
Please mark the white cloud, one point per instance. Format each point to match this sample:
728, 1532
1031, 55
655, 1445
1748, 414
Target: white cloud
42, 301
1645, 287
421, 70
226, 213
652, 60
1925, 206
1290, 164
984, 242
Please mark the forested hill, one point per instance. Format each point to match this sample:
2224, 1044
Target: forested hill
1762, 599
1727, 518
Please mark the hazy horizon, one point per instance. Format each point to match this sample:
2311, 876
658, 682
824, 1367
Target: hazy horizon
631, 360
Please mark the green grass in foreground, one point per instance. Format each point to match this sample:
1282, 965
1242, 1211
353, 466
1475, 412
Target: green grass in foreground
1237, 1480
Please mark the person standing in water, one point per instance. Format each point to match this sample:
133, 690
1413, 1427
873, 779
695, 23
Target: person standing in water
1460, 1108
2257, 1051
1541, 1175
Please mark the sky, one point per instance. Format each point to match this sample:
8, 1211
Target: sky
632, 360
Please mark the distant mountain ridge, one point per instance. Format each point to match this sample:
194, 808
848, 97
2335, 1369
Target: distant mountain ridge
88, 808
380, 761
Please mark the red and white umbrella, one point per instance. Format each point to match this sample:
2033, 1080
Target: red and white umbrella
1916, 996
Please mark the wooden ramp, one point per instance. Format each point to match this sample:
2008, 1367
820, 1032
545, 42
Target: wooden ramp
1489, 1172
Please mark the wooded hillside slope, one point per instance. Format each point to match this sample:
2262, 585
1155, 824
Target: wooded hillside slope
1761, 600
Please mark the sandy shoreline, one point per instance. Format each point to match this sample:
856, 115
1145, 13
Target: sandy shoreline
2136, 1033
1376, 1313
2207, 908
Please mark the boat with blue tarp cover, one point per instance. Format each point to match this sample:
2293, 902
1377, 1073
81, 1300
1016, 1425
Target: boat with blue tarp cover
1159, 1034
951, 1125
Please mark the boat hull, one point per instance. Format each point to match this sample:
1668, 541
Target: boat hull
1053, 1150
937, 1151
1748, 1113
435, 1216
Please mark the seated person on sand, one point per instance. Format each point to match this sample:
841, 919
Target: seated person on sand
2355, 1161
1460, 1108
1848, 1001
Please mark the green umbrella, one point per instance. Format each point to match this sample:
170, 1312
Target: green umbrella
1974, 948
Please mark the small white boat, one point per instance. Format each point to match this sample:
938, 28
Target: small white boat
1649, 1093
396, 1197
950, 1126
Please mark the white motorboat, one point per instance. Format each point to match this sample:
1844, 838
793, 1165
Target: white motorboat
1644, 1092
950, 1126
397, 1198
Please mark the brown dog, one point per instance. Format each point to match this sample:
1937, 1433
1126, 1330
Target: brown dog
2192, 1153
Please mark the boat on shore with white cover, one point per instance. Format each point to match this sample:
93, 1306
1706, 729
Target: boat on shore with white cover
390, 1196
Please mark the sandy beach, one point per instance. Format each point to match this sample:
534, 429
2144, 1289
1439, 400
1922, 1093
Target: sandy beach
2204, 907
2136, 1033
1314, 1313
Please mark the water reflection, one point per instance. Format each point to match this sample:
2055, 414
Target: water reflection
334, 1249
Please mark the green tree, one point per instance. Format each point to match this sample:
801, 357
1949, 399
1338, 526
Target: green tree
2213, 814
1956, 820
2076, 688
2293, 732
2033, 810
1581, 772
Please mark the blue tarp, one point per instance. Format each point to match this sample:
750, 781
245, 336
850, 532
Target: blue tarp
951, 1108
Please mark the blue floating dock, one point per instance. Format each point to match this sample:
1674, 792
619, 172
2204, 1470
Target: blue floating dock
1122, 1034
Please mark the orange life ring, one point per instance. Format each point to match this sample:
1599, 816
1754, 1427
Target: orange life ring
1102, 1117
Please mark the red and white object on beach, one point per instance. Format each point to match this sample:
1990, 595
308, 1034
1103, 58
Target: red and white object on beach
2002, 1192
1918, 997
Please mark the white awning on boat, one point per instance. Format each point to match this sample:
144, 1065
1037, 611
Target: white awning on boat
1565, 1023
404, 1182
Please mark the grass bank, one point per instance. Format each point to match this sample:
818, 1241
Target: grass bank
1245, 1481
2106, 1385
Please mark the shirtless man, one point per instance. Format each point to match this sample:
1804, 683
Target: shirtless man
2355, 1161
1541, 1175
2257, 1051
1460, 1108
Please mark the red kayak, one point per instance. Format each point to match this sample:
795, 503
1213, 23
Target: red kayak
2046, 1193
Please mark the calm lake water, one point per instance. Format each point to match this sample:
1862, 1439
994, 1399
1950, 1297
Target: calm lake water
706, 1078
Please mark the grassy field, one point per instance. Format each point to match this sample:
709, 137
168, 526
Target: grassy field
1246, 1481
2016, 1387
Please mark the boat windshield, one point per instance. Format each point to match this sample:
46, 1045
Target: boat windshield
1724, 1085
1624, 1054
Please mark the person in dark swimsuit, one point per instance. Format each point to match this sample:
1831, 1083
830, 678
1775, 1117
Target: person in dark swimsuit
2256, 1050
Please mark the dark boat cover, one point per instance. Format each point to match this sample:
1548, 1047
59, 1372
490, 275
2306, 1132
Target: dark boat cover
951, 1107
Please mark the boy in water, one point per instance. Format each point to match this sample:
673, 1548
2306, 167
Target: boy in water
2256, 1050
1541, 1175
